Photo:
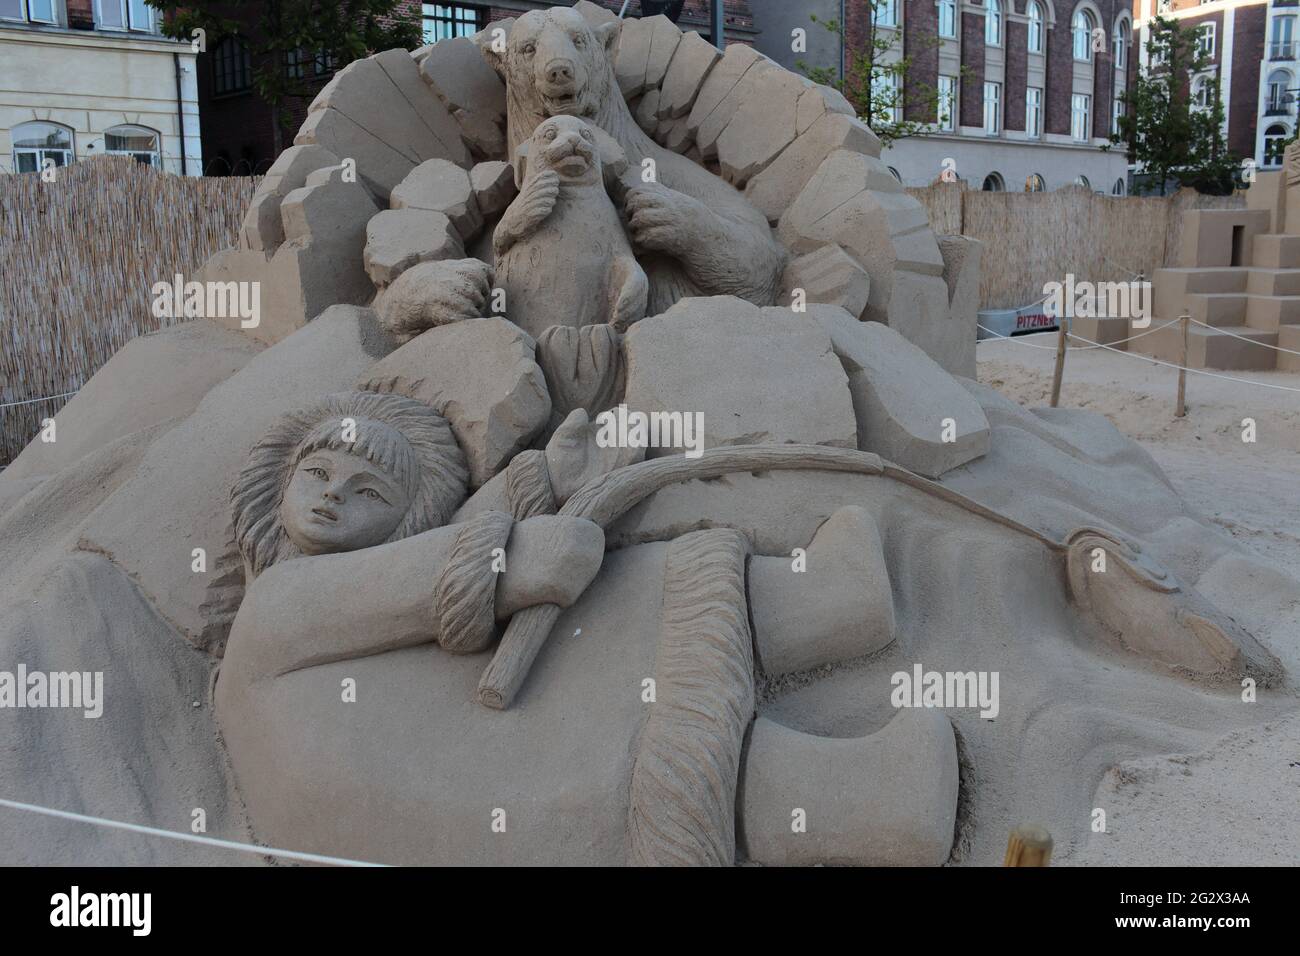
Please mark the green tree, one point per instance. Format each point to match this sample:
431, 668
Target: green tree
276, 31
1173, 120
876, 77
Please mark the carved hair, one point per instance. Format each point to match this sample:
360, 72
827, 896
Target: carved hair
406, 438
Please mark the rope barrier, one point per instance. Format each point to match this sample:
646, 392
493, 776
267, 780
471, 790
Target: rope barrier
1222, 331
183, 837
33, 401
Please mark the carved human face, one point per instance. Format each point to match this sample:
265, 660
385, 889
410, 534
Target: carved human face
568, 145
337, 502
557, 57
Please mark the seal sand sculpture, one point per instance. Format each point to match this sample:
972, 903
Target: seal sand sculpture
562, 256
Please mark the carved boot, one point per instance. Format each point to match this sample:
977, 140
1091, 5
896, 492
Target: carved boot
833, 604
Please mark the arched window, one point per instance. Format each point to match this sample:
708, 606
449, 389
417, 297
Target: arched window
1274, 137
895, 172
1035, 184
1121, 43
1202, 92
37, 143
1082, 28
138, 141
993, 183
1280, 97
1120, 188
1082, 180
1035, 27
993, 22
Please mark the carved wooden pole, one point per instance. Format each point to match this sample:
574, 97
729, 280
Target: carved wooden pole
1181, 410
1029, 846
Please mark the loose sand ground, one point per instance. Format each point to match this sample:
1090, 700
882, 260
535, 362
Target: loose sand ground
1239, 801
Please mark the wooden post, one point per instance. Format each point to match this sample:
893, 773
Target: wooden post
1060, 362
1029, 846
1181, 410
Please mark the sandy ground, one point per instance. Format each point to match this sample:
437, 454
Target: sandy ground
1239, 801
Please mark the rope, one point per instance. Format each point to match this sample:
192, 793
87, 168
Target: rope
184, 837
33, 401
1194, 371
1264, 345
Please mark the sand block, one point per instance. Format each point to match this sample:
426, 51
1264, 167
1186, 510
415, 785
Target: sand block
496, 404
691, 63
467, 86
829, 276
903, 399
413, 92
721, 116
261, 228
816, 102
634, 40
857, 813
763, 126
961, 273
440, 186
721, 81
493, 184
378, 164
714, 355
397, 239
774, 189
594, 14
645, 113
664, 40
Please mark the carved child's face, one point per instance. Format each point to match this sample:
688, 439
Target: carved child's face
337, 502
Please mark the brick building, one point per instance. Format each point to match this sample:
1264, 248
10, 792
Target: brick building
81, 78
237, 125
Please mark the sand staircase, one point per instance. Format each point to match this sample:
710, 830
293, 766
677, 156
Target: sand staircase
1239, 274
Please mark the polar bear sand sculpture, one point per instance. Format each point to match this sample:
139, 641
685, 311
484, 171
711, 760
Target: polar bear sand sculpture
370, 579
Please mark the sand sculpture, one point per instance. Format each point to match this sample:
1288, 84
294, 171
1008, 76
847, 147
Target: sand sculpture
367, 581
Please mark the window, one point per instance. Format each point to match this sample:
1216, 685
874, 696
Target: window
1205, 40
993, 183
1082, 31
442, 21
1279, 94
895, 172
948, 103
36, 143
295, 64
1082, 180
992, 108
1035, 27
1035, 184
138, 141
1274, 137
1033, 112
231, 70
1121, 44
326, 62
886, 96
1117, 110
37, 11
993, 22
885, 13
1202, 92
1120, 188
948, 18
1281, 47
124, 15
1080, 116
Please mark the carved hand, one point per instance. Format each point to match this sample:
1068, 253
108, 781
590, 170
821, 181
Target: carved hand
574, 457
550, 560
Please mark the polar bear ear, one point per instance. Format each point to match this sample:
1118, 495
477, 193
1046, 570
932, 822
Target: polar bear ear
607, 36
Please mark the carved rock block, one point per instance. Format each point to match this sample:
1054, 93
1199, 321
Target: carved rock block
493, 184
440, 186
775, 188
691, 63
480, 375
262, 228
829, 276
397, 239
764, 125
715, 355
